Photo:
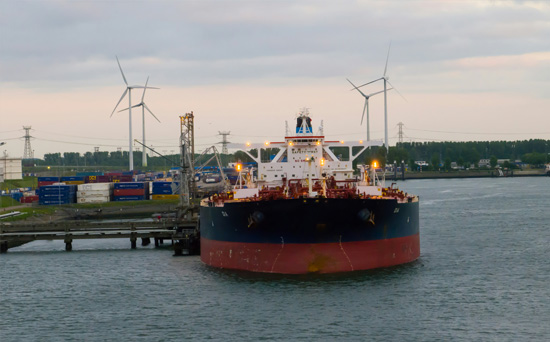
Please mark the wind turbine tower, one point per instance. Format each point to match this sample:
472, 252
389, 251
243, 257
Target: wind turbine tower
386, 82
366, 106
143, 108
224, 141
27, 154
129, 91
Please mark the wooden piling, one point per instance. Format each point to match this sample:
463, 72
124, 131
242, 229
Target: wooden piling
3, 247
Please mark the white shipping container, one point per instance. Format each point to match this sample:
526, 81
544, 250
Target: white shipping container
93, 199
93, 193
95, 186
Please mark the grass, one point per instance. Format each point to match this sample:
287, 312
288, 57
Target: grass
26, 182
29, 212
6, 201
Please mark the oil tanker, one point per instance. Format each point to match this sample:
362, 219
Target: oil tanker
306, 210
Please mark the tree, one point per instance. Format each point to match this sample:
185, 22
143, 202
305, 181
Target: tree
448, 164
493, 161
435, 161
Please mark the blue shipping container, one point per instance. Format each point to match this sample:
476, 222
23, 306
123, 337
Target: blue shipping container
162, 191
17, 196
72, 178
58, 188
48, 179
128, 198
53, 202
131, 185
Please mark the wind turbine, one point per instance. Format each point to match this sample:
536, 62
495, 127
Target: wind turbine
386, 81
143, 107
366, 106
129, 91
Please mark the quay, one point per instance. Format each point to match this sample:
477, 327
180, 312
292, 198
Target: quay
182, 234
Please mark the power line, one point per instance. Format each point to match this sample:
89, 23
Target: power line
473, 133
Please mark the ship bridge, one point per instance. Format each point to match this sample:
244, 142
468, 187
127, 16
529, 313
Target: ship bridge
305, 155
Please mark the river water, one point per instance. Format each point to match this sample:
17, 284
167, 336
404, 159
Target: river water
483, 275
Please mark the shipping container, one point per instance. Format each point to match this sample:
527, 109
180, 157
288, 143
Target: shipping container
48, 179
73, 182
130, 192
98, 199
93, 193
57, 194
128, 198
131, 185
58, 188
16, 196
29, 199
122, 178
95, 186
97, 179
72, 178
54, 202
44, 183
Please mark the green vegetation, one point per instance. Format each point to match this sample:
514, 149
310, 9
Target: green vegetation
26, 182
438, 154
30, 212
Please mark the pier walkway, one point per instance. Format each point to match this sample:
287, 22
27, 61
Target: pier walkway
183, 234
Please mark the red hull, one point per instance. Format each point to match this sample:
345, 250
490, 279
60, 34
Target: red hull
308, 258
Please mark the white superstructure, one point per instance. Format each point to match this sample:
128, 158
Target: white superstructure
305, 155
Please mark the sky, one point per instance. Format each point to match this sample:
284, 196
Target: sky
463, 70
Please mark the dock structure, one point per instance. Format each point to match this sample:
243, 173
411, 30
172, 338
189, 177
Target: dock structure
182, 234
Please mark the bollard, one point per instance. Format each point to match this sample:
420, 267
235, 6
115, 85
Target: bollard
3, 247
133, 241
68, 243
156, 242
178, 248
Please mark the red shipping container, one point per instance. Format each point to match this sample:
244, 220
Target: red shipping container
129, 192
97, 179
123, 178
44, 183
29, 199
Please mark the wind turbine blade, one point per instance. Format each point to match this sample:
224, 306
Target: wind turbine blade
141, 87
123, 77
144, 89
144, 105
376, 80
364, 107
134, 106
394, 88
123, 94
355, 88
388, 57
378, 92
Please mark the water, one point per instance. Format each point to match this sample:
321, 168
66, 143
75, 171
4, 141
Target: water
483, 275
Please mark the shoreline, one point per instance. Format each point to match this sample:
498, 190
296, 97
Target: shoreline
465, 174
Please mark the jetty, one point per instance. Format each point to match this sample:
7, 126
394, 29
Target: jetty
183, 234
